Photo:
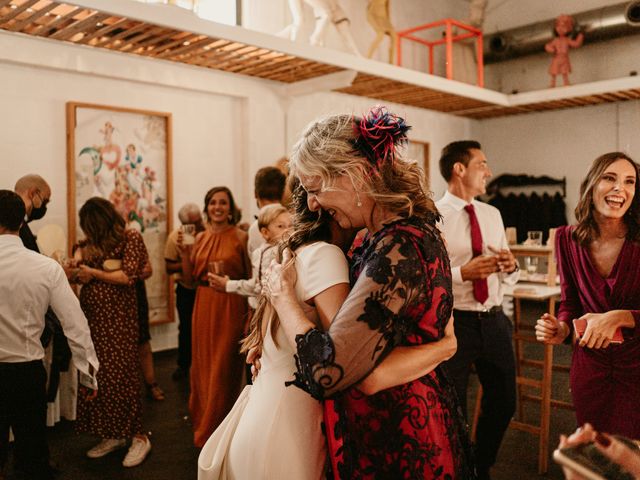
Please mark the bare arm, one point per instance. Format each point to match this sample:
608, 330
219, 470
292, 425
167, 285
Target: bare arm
362, 333
406, 364
172, 266
403, 364
117, 277
577, 42
147, 270
329, 301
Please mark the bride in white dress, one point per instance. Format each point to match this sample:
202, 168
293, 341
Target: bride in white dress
273, 431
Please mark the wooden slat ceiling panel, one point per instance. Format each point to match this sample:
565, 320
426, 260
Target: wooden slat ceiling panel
59, 21
406, 94
63, 22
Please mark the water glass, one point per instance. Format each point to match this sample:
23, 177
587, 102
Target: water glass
534, 237
531, 265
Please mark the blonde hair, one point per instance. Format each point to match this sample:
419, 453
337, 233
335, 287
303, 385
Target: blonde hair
308, 227
269, 213
327, 150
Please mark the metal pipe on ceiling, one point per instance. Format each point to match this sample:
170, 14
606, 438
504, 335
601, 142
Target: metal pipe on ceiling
597, 25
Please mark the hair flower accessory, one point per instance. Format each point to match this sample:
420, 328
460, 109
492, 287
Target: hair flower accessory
378, 133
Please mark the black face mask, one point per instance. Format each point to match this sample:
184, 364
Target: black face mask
38, 212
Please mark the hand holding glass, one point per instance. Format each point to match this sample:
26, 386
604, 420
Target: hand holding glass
217, 267
188, 234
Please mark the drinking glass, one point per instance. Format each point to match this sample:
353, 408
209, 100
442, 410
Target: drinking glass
534, 237
217, 267
188, 234
531, 265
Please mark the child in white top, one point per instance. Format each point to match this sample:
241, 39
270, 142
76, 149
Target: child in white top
273, 221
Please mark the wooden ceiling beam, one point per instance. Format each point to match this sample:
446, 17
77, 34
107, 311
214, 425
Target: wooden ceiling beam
17, 11
44, 29
19, 25
77, 27
104, 30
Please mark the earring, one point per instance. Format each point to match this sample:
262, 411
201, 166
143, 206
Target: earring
358, 202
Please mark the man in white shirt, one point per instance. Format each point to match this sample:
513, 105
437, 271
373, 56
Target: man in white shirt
269, 186
480, 263
29, 283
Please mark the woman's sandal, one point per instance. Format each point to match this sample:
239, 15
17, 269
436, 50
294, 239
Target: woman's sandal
154, 392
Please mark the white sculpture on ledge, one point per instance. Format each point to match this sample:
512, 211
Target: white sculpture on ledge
326, 11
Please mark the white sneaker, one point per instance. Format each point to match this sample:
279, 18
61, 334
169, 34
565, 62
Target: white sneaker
107, 445
138, 451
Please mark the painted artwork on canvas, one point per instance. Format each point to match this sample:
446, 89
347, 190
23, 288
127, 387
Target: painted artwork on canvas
124, 156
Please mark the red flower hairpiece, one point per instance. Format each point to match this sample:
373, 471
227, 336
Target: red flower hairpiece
378, 133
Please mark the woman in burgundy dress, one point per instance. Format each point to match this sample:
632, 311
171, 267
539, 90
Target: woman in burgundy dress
598, 261
401, 296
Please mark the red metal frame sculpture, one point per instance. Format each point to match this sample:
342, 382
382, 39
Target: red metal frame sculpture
448, 40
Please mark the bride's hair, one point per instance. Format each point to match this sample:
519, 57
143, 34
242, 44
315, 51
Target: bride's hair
308, 227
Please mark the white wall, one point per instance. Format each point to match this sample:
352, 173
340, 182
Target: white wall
560, 144
224, 127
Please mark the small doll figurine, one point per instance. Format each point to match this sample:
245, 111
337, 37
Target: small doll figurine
559, 47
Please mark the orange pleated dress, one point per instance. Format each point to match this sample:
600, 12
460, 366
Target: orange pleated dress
217, 368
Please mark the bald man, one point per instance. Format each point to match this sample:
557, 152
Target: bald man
36, 194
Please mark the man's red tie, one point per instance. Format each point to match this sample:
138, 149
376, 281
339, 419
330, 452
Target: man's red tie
480, 287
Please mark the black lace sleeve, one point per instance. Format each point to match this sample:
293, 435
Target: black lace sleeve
396, 289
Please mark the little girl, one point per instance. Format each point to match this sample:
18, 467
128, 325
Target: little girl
273, 221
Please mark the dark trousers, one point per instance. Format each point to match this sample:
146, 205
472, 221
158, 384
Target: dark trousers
485, 340
23, 407
185, 298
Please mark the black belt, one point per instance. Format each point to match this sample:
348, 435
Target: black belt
479, 314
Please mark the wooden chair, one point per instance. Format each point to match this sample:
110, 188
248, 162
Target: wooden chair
523, 333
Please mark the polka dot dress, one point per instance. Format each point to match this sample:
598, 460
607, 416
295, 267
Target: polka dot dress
113, 320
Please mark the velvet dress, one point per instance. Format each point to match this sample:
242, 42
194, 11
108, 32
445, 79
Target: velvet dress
218, 322
401, 295
605, 383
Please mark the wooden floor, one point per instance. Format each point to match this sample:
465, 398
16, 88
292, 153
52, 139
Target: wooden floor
173, 456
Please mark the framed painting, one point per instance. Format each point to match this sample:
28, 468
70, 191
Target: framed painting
419, 151
124, 156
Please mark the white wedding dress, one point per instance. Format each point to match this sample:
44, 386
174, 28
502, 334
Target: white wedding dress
274, 432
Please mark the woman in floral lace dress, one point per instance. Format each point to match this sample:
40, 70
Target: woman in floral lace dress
401, 296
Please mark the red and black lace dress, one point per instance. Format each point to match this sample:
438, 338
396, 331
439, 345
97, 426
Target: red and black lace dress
401, 296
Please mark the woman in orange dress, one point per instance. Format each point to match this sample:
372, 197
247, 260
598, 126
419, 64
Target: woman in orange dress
217, 369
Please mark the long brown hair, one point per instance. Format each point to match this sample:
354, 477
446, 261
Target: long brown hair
308, 227
234, 211
587, 228
102, 225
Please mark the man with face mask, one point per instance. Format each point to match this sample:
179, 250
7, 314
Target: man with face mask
36, 194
